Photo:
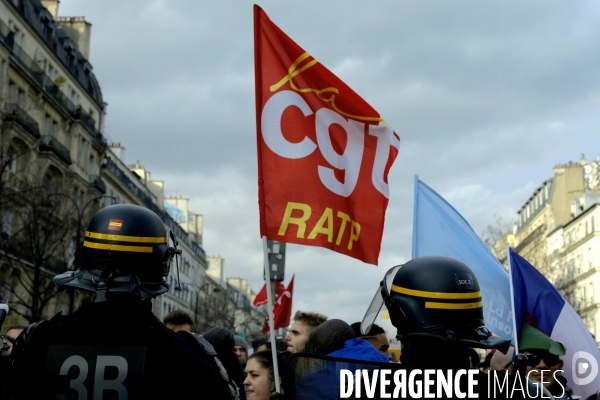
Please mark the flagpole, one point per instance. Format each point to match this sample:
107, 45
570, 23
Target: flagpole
512, 298
271, 317
415, 214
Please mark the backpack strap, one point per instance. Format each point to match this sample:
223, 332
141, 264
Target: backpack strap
210, 351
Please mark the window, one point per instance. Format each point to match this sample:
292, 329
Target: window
2, 69
11, 159
7, 217
12, 92
19, 37
92, 116
83, 152
92, 165
50, 126
21, 98
47, 125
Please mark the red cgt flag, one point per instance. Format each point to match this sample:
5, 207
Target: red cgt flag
282, 310
323, 152
261, 297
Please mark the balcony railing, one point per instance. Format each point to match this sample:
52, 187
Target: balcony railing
85, 118
15, 113
50, 143
97, 183
122, 176
88, 121
27, 63
6, 35
57, 95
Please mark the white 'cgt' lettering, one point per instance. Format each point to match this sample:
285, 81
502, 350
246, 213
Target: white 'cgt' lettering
349, 162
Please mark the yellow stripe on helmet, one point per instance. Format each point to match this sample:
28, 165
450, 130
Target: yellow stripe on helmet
435, 295
117, 247
122, 238
453, 306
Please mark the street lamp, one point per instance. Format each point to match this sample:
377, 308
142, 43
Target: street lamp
80, 215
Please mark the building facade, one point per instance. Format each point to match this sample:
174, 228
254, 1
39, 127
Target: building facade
558, 232
57, 170
52, 147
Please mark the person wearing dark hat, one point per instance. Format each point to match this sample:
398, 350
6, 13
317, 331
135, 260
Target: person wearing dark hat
241, 350
224, 342
332, 338
116, 346
543, 361
336, 338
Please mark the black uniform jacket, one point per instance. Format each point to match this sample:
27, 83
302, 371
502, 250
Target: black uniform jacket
113, 350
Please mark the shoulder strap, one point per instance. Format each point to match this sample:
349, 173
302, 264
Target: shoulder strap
209, 350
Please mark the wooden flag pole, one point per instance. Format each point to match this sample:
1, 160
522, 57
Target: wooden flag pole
271, 317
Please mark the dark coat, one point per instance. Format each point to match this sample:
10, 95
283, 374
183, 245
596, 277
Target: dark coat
130, 347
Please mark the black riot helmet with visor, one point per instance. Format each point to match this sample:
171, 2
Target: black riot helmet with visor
126, 248
433, 297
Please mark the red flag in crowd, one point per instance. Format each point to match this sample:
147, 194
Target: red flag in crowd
323, 152
261, 297
282, 311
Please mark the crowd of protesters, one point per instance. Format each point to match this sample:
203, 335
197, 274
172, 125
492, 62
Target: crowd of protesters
129, 353
252, 368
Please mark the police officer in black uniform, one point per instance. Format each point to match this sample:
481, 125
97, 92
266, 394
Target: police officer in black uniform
435, 303
116, 348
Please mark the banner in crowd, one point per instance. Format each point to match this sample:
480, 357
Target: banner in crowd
282, 310
538, 303
323, 152
261, 297
440, 230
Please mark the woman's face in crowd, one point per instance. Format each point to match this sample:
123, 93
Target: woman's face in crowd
257, 384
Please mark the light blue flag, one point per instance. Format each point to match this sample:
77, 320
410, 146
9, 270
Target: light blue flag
439, 230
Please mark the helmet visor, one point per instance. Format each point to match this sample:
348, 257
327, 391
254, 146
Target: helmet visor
381, 294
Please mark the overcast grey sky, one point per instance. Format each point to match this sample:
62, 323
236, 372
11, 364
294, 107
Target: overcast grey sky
486, 96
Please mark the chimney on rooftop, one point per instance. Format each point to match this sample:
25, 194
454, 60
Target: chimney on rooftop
52, 6
80, 32
118, 150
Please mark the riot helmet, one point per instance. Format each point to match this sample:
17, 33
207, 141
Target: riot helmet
126, 248
433, 297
